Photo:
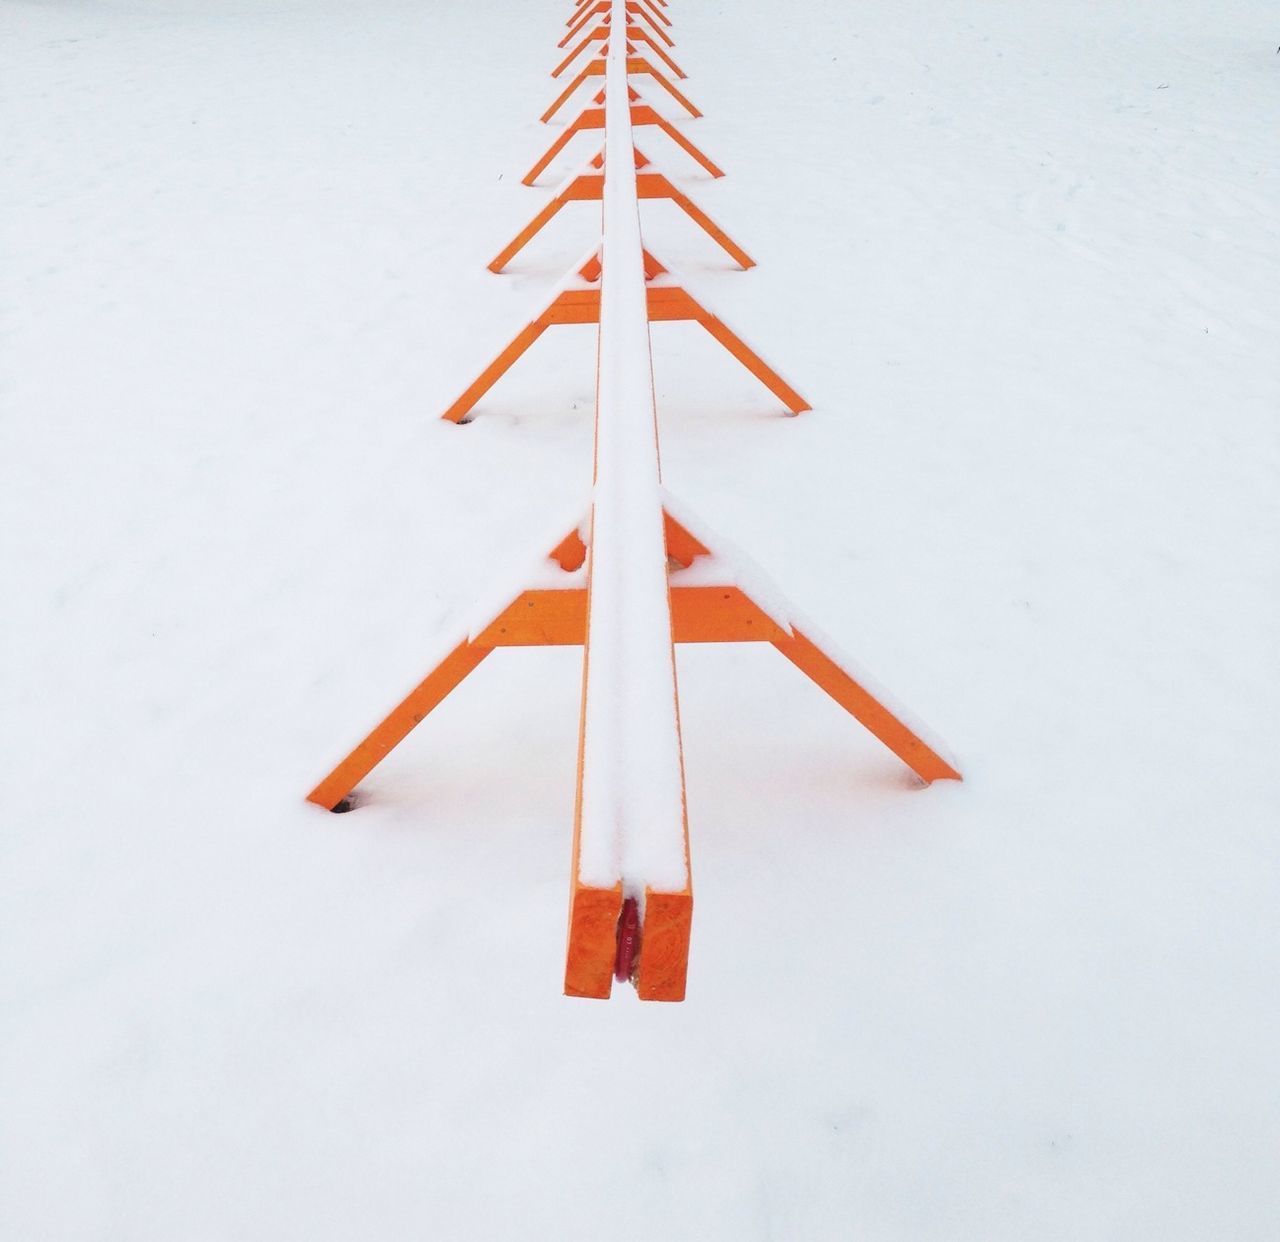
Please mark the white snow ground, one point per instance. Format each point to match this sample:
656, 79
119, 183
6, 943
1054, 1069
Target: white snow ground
1023, 257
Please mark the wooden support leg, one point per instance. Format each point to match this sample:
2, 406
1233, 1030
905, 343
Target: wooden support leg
600, 33
428, 694
458, 411
639, 33
711, 228
657, 12
639, 11
593, 70
754, 363
528, 233
640, 65
820, 668
589, 118
643, 114
580, 19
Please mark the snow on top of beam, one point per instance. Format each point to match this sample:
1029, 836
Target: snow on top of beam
632, 825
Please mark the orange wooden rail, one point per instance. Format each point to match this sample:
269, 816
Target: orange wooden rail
622, 923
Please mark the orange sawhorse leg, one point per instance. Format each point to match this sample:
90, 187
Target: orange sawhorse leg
725, 614
568, 306
640, 34
670, 303
579, 20
656, 22
599, 34
655, 185
535, 618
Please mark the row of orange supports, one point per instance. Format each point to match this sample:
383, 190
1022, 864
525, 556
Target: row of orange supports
640, 935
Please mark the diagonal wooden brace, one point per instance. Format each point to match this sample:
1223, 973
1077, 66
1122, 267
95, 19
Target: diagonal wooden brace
580, 19
640, 35
656, 19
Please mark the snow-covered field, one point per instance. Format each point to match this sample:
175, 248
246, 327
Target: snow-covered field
1024, 258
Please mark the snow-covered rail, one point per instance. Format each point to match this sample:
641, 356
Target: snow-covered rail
639, 574
630, 838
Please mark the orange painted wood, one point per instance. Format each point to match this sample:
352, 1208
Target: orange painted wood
541, 618
655, 185
635, 65
656, 25
641, 35
593, 939
755, 364
528, 233
459, 410
701, 614
579, 20
682, 547
396, 726
657, 12
589, 187
570, 553
664, 946
593, 69
643, 114
820, 668
597, 35
719, 614
593, 118
590, 118
666, 303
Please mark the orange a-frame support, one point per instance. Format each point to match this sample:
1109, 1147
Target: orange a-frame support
707, 597
589, 187
578, 301
555, 616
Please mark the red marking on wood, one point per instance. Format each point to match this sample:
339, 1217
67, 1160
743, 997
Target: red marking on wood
628, 941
